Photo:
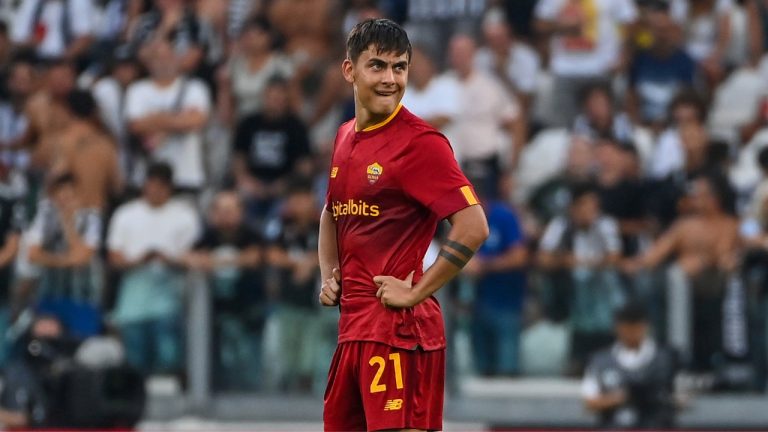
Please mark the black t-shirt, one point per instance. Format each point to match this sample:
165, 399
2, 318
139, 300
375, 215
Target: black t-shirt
296, 241
271, 146
236, 290
625, 200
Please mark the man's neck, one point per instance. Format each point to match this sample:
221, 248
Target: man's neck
365, 119
165, 81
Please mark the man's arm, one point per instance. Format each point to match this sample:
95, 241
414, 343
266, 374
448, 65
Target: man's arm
328, 256
469, 229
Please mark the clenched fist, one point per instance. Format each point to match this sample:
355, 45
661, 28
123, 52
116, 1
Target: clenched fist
330, 292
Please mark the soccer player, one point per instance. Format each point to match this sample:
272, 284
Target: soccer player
392, 179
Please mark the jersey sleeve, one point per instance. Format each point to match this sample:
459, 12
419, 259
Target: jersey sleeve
430, 175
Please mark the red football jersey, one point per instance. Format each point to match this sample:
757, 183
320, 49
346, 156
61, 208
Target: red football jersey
389, 186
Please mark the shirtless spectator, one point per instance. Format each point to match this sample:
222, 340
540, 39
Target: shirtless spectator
704, 244
86, 150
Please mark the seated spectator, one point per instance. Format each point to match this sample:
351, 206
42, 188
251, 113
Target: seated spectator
631, 384
292, 258
704, 244
269, 147
599, 117
167, 112
55, 29
147, 240
512, 61
62, 240
88, 152
581, 249
230, 253
499, 276
659, 72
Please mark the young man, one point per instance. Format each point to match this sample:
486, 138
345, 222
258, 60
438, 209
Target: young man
392, 179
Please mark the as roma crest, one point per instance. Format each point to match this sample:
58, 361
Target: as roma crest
374, 172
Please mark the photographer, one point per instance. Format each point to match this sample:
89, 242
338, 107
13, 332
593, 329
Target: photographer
630, 385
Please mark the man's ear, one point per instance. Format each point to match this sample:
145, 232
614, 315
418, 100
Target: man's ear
348, 70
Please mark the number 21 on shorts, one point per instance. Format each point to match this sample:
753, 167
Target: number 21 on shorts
378, 361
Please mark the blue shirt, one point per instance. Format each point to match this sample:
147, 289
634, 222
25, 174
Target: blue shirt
501, 290
658, 80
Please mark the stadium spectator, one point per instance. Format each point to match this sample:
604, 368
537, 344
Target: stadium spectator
705, 243
63, 239
630, 385
173, 21
54, 29
659, 72
489, 132
510, 60
110, 93
269, 147
431, 97
20, 85
584, 246
167, 112
243, 81
599, 118
229, 253
147, 240
587, 46
500, 281
86, 151
292, 256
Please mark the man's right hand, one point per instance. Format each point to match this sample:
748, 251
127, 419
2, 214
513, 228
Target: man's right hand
330, 292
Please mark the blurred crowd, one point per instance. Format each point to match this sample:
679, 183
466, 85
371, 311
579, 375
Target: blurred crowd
620, 148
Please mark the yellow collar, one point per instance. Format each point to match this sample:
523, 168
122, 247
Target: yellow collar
383, 122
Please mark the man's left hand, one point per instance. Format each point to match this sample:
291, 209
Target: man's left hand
396, 293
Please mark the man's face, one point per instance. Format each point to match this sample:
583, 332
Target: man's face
227, 213
585, 210
21, 80
461, 54
61, 80
157, 192
379, 79
631, 334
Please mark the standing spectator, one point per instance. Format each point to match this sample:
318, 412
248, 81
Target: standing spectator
243, 81
658, 73
631, 384
490, 132
687, 115
13, 120
293, 256
110, 93
498, 269
513, 62
229, 253
585, 247
587, 45
167, 113
599, 117
62, 240
87, 152
269, 146
175, 22
431, 97
54, 28
704, 243
147, 240
707, 28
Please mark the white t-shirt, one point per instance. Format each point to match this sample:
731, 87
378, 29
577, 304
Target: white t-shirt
522, 66
137, 228
668, 155
588, 245
700, 32
485, 106
597, 49
439, 98
184, 152
51, 24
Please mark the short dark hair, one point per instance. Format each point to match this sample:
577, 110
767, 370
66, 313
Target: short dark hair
160, 171
632, 312
385, 36
595, 88
581, 189
691, 98
81, 103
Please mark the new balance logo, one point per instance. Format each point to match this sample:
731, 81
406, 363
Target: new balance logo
393, 405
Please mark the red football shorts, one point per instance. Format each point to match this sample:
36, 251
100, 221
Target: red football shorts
372, 386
